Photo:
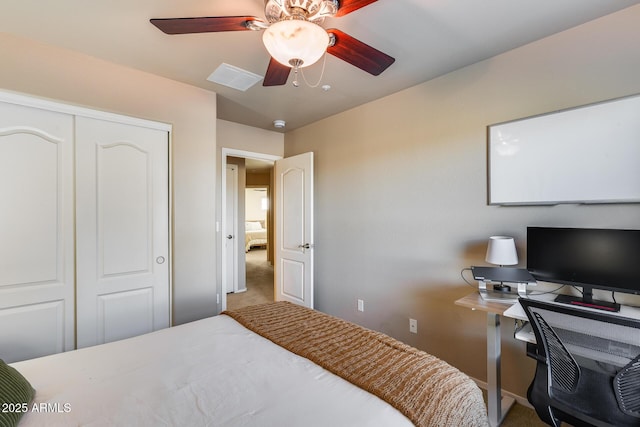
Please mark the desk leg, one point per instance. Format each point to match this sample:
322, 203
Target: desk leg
497, 407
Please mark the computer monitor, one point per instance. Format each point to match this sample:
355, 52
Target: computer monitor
607, 259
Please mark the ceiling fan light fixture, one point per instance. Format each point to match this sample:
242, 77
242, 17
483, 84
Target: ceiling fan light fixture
295, 42
313, 10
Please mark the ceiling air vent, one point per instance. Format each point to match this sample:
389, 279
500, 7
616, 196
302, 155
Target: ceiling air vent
234, 77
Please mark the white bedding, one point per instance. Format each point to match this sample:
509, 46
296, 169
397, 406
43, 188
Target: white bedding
211, 372
254, 238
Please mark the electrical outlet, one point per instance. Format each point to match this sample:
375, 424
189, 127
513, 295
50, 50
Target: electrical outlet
360, 305
413, 326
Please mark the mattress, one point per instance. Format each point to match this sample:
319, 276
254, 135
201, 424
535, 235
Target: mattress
255, 238
211, 372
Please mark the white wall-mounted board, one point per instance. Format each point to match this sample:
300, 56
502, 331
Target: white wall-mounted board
589, 154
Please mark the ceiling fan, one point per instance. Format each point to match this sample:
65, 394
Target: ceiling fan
292, 35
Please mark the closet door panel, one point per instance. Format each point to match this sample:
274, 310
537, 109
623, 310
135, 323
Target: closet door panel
29, 168
33, 330
125, 314
36, 232
122, 231
124, 177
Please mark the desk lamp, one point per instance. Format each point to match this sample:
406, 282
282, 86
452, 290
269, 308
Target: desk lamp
501, 251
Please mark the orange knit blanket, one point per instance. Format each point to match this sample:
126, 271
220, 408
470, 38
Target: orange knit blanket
425, 389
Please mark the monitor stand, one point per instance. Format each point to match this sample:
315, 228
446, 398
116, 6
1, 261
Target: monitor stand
501, 292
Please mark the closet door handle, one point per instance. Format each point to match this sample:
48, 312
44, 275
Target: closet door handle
160, 260
229, 237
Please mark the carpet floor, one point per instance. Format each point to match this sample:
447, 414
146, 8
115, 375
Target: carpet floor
259, 281
520, 416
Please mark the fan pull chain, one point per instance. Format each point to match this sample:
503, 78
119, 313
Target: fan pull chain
324, 62
295, 81
296, 66
295, 63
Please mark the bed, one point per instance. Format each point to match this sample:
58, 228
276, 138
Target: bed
275, 364
255, 234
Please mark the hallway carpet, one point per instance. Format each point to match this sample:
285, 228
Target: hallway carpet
259, 281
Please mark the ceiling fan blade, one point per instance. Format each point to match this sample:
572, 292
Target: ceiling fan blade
358, 53
212, 24
348, 6
277, 74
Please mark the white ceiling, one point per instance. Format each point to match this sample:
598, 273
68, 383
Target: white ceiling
428, 38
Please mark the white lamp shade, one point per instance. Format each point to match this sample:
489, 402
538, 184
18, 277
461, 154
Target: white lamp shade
296, 39
501, 251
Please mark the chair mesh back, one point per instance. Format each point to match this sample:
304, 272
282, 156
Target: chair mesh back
627, 388
565, 372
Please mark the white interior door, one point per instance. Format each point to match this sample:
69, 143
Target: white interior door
36, 233
294, 229
122, 231
231, 230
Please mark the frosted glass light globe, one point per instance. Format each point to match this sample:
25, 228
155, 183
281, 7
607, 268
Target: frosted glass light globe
294, 40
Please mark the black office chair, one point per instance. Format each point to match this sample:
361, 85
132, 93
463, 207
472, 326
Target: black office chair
589, 393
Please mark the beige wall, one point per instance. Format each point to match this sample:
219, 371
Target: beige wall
259, 179
58, 74
247, 138
400, 188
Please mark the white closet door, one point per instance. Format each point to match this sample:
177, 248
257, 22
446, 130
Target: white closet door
122, 231
36, 232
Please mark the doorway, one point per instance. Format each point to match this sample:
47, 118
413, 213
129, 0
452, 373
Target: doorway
292, 232
254, 231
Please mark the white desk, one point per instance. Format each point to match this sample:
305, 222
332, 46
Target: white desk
517, 312
615, 336
497, 406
